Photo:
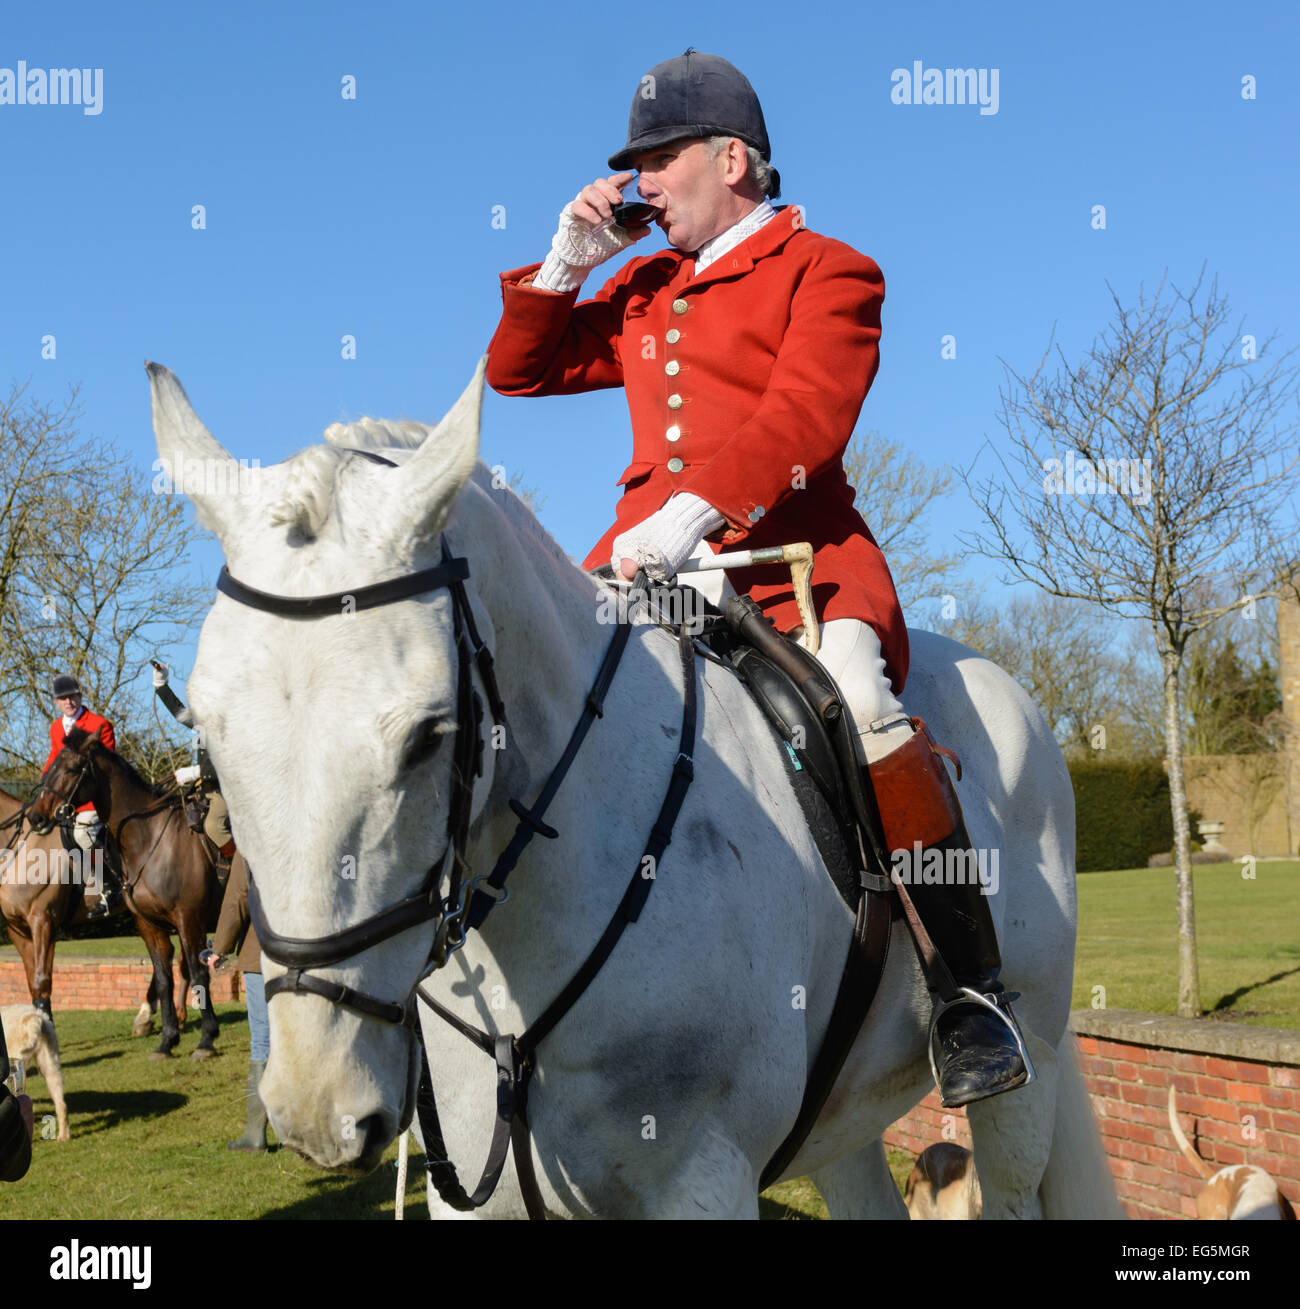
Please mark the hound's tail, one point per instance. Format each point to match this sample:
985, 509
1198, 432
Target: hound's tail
1183, 1143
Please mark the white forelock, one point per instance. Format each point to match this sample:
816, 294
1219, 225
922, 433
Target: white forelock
377, 434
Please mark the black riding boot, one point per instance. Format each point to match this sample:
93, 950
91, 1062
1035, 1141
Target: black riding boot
111, 894
976, 1052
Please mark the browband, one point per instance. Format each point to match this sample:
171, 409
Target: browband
364, 597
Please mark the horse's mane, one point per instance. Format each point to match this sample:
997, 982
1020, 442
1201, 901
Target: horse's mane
312, 474
78, 736
311, 486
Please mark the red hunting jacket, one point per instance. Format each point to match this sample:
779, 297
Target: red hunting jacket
744, 384
87, 722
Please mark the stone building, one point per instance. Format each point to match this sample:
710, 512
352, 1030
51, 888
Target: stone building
1257, 797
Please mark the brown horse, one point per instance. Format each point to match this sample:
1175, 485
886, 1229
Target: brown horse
170, 879
41, 893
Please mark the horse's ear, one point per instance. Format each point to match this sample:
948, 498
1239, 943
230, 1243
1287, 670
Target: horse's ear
434, 476
191, 459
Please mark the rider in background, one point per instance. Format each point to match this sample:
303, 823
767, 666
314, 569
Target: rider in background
216, 824
235, 931
746, 350
87, 830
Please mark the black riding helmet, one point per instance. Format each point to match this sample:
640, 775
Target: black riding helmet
692, 95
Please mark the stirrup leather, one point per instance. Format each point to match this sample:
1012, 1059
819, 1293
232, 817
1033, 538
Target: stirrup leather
968, 995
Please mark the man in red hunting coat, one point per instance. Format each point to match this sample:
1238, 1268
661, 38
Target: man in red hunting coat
746, 350
87, 829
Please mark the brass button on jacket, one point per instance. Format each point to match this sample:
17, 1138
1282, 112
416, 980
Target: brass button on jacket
680, 306
672, 336
675, 465
674, 433
672, 368
674, 402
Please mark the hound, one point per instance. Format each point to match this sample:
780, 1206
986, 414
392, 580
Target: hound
29, 1036
943, 1184
1237, 1192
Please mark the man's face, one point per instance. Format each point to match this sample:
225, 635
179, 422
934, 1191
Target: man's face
68, 704
689, 188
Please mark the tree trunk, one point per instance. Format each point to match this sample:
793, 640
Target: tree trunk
1189, 986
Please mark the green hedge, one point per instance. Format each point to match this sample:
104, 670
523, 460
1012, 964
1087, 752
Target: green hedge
1122, 813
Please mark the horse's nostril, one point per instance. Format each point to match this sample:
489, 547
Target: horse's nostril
375, 1132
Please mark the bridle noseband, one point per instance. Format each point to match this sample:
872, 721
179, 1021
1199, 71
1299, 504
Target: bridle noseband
297, 954
67, 800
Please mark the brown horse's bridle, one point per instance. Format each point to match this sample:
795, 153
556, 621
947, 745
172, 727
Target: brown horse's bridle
66, 809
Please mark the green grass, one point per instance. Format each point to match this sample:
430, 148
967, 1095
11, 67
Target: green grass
1248, 949
105, 947
149, 1141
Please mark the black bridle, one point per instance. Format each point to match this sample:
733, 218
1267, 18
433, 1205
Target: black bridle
67, 800
469, 902
298, 954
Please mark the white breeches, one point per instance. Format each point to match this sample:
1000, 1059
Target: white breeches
850, 653
85, 830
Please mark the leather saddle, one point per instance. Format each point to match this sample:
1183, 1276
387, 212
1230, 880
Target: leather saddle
801, 702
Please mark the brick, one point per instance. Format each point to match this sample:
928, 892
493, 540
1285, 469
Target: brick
1144, 1095
1285, 1077
1189, 1063
1102, 1087
1160, 1058
1285, 1122
1248, 1071
1190, 1104
1247, 1093
1278, 1097
1126, 1072
1214, 1088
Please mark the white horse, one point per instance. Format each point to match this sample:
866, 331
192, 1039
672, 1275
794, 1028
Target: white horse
672, 1081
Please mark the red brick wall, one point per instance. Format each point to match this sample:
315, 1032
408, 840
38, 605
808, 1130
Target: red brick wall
86, 982
1233, 1111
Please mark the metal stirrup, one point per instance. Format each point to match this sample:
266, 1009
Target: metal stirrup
967, 996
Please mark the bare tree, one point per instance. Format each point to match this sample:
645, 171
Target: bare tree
894, 489
1147, 479
1069, 666
93, 579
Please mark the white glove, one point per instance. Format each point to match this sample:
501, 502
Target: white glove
184, 776
667, 539
160, 677
575, 248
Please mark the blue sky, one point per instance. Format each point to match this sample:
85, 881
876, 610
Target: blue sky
374, 217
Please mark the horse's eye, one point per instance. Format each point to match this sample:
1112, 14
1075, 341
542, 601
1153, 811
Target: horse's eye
423, 743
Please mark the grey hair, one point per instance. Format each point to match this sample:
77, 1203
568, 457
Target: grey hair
760, 173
